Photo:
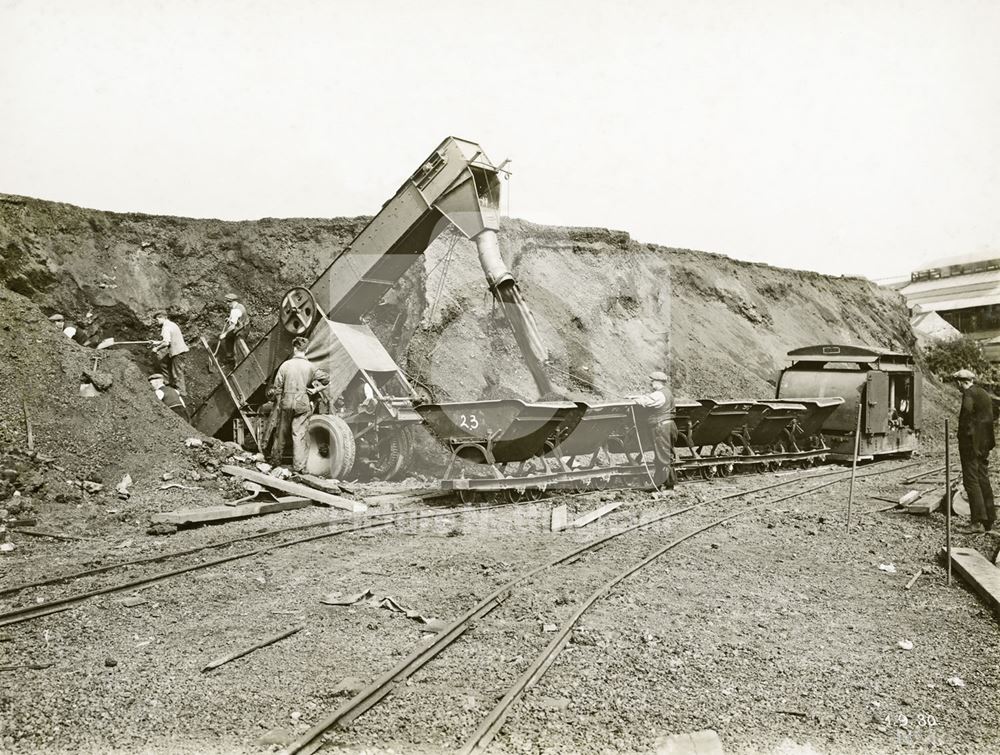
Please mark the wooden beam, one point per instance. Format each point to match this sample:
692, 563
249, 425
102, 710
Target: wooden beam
593, 516
559, 518
979, 573
222, 513
320, 483
294, 488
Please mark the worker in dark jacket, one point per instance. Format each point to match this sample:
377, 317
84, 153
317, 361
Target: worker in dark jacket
659, 405
293, 389
975, 441
169, 396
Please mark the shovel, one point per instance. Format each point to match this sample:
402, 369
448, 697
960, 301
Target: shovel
107, 343
255, 490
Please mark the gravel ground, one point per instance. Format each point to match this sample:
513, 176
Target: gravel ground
776, 629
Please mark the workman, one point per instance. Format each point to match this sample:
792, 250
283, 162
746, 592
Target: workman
234, 333
87, 331
975, 441
68, 328
170, 350
293, 388
59, 322
660, 417
169, 396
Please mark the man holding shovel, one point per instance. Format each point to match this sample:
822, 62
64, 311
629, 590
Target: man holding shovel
170, 350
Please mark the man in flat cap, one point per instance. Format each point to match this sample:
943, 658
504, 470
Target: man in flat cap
975, 441
59, 322
659, 403
170, 351
234, 333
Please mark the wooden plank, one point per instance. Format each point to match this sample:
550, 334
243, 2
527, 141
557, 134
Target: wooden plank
593, 516
559, 518
222, 513
294, 488
979, 573
921, 507
236, 399
320, 483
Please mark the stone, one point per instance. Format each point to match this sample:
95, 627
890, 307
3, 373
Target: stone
280, 737
553, 703
349, 685
704, 742
102, 381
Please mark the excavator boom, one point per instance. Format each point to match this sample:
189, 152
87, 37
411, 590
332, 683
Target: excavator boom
456, 186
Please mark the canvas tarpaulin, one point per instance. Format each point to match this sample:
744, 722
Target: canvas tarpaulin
342, 350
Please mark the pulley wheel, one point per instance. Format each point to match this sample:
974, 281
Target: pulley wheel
299, 311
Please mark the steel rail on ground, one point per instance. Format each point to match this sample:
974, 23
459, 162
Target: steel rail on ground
58, 605
483, 735
220, 544
312, 739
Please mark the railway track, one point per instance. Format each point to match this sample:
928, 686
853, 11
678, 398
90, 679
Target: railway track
383, 686
395, 516
67, 602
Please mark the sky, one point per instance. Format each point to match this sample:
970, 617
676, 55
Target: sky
857, 137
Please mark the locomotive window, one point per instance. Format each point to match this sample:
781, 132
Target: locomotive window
901, 390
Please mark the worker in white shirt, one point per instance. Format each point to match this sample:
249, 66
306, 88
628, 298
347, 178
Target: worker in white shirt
659, 405
170, 350
232, 339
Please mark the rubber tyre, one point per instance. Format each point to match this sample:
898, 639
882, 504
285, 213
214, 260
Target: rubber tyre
394, 454
331, 447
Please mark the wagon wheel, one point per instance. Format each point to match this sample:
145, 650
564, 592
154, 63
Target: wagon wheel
709, 472
468, 496
724, 449
777, 448
299, 311
519, 495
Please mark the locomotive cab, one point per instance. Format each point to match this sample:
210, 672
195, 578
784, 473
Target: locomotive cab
885, 384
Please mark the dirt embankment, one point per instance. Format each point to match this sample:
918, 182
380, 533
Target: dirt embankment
608, 308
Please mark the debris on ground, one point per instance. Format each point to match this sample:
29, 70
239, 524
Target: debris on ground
122, 488
387, 602
245, 651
